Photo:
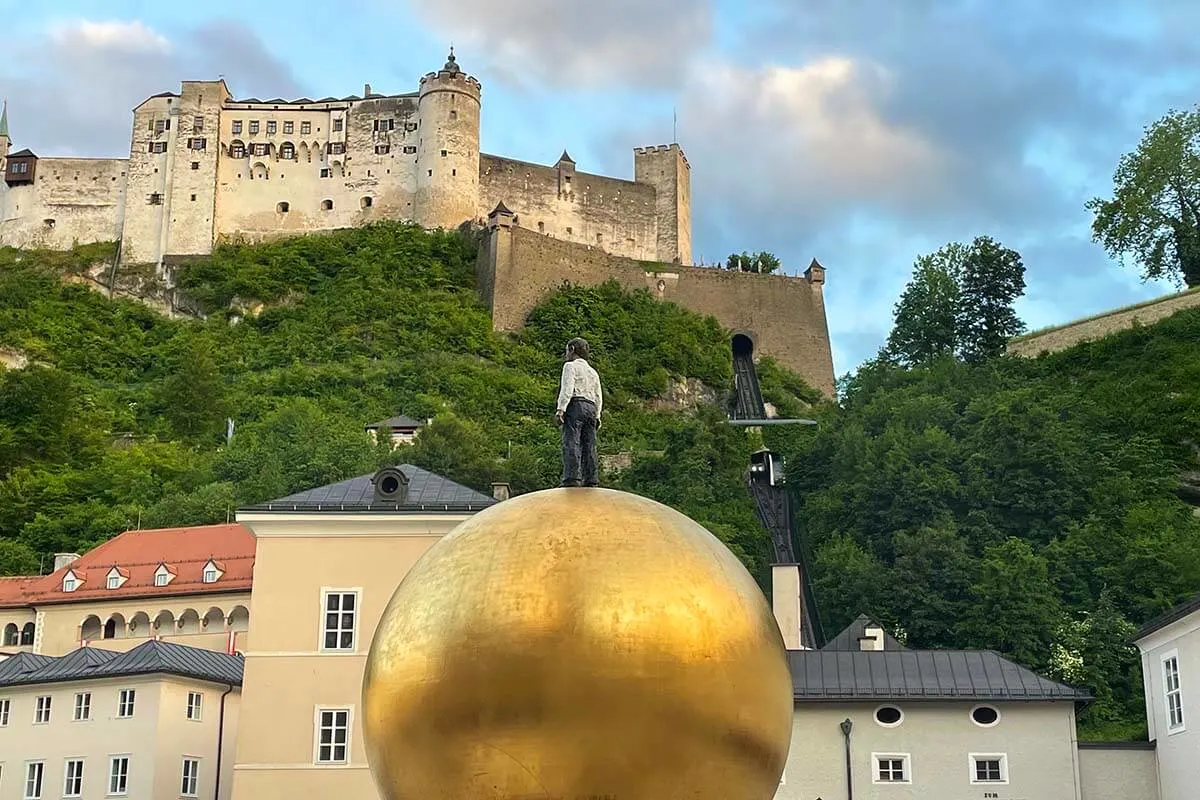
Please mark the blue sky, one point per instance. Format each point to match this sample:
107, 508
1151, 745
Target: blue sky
860, 132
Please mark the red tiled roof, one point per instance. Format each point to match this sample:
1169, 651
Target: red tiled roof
137, 554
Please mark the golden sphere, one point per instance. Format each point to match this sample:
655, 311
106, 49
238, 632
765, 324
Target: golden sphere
575, 644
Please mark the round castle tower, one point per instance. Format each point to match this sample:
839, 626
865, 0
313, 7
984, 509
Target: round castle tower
448, 148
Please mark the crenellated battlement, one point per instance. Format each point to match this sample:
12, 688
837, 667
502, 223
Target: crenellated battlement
662, 148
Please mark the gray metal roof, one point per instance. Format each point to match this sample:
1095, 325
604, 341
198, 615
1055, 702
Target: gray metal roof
918, 675
1175, 614
849, 638
149, 658
400, 421
426, 492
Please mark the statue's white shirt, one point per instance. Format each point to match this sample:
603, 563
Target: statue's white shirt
580, 380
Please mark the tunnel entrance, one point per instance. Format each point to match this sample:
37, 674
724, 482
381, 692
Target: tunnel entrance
743, 345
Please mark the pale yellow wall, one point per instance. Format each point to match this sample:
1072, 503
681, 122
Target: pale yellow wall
84, 198
287, 677
1038, 738
1112, 773
156, 738
60, 626
191, 201
143, 226
1177, 751
447, 188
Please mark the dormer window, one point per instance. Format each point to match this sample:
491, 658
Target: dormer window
115, 579
70, 581
211, 572
162, 575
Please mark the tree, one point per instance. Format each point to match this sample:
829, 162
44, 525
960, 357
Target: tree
959, 302
991, 279
1154, 214
926, 317
761, 262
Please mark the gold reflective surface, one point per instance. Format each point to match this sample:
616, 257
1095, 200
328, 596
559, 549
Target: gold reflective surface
577, 644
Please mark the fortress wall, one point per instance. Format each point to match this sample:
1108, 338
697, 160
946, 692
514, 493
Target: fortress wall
72, 200
1061, 337
785, 316
250, 189
620, 216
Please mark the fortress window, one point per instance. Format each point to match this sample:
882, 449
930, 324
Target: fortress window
162, 126
337, 124
327, 205
198, 143
431, 173
193, 198
197, 124
262, 149
569, 230
195, 165
158, 147
384, 125
541, 227
325, 173
237, 149
444, 154
289, 127
453, 114
237, 127
366, 202
155, 199
281, 208
305, 127
411, 126
382, 149
272, 126
453, 172
287, 151
336, 148
599, 238
253, 127
410, 149
49, 223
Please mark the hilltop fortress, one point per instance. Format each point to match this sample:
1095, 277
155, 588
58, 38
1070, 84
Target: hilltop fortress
204, 167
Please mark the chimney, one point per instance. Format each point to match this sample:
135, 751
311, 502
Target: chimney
872, 638
63, 559
501, 491
787, 603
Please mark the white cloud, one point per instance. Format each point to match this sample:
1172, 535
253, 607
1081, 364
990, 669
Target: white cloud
72, 89
576, 43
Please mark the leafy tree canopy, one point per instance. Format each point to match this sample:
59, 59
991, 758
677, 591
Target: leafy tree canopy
761, 262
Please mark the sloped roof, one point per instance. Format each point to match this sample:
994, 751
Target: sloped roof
918, 675
25, 153
138, 555
849, 638
400, 421
426, 492
149, 658
1174, 615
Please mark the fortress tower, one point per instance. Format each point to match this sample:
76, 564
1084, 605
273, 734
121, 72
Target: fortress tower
447, 190
666, 168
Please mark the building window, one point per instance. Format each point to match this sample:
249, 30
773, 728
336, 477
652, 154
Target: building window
237, 127
41, 712
197, 124
325, 173
333, 736
384, 124
411, 126
889, 716
158, 147
237, 149
337, 148
281, 208
27, 634
327, 205
161, 126
382, 149
340, 612
195, 165
83, 706
366, 202
118, 775
410, 149
195, 699
73, 778
337, 124
271, 127
289, 127
210, 574
154, 200
69, 583
125, 703
5, 707
305, 127
261, 149
114, 581
891, 768
985, 716
161, 579
989, 768
197, 143
253, 127
287, 151
191, 777
1173, 693
444, 153
453, 114
34, 772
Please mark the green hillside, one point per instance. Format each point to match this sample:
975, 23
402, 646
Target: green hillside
1023, 505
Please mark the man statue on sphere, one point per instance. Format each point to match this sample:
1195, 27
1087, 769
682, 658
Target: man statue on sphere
580, 400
